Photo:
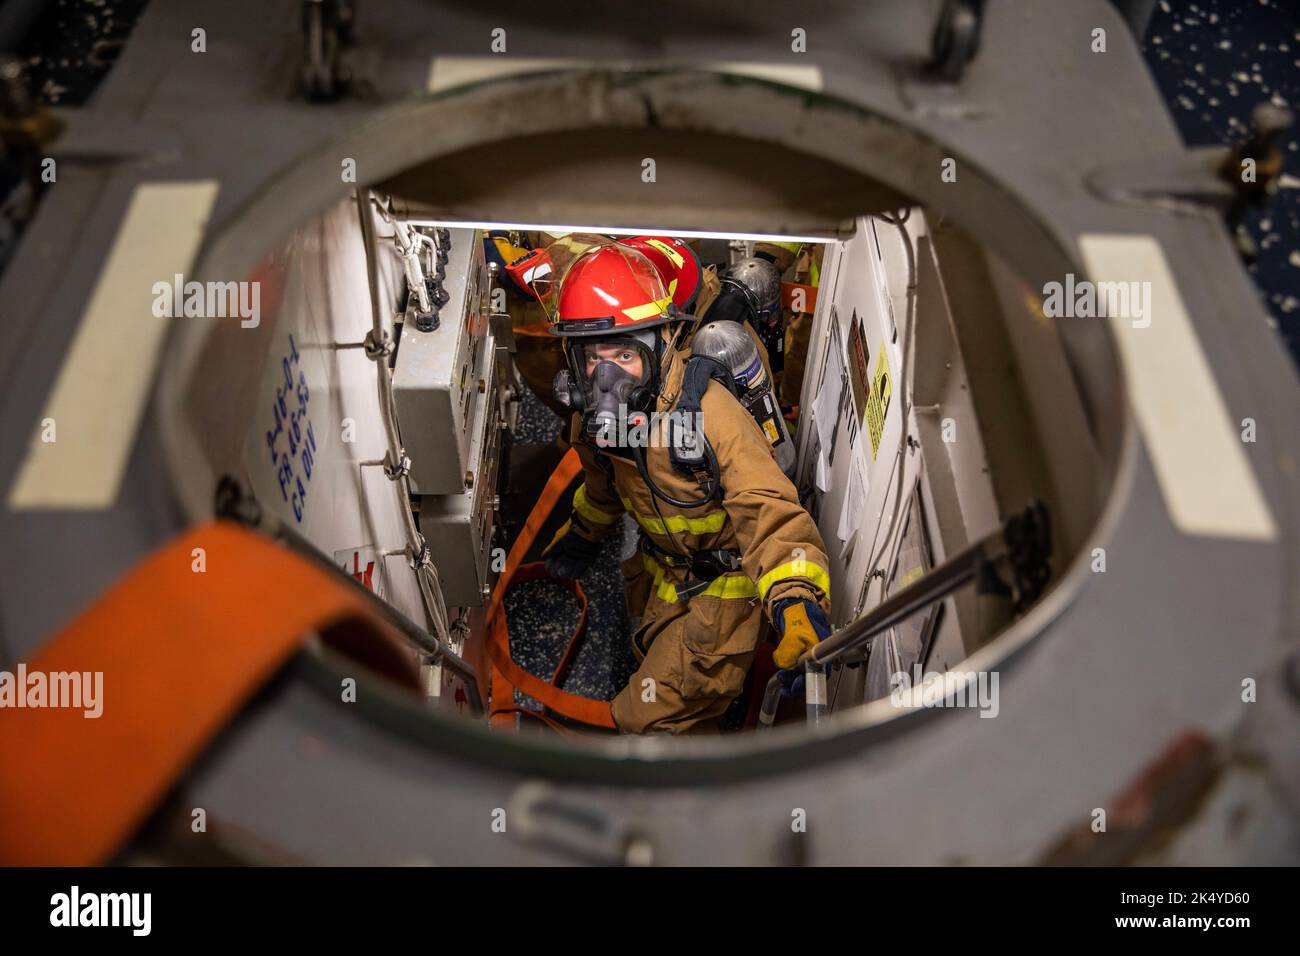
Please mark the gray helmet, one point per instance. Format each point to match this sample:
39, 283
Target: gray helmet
758, 281
731, 345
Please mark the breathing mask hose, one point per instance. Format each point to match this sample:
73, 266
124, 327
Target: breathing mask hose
638, 455
710, 459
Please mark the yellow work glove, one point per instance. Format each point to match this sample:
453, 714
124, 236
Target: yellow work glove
802, 626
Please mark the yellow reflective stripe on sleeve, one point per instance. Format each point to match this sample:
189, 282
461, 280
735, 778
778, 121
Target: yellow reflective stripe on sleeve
589, 511
711, 523
727, 587
649, 310
795, 569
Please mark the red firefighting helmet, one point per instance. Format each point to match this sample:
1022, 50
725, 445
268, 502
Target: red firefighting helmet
677, 263
611, 290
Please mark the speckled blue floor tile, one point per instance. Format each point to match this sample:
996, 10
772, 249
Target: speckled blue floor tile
537, 424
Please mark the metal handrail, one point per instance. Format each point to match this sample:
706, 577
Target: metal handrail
1023, 544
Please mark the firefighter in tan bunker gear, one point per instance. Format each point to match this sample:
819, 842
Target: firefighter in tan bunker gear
724, 548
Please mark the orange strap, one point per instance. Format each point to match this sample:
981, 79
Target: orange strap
181, 650
573, 706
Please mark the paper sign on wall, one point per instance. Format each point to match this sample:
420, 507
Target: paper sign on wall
855, 500
882, 387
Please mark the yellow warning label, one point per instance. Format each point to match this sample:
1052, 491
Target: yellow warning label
773, 436
882, 387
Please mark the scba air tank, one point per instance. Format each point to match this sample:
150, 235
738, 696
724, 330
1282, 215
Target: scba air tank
729, 343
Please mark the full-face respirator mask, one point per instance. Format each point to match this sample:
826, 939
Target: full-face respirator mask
612, 382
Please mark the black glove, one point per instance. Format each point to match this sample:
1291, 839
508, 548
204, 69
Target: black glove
570, 554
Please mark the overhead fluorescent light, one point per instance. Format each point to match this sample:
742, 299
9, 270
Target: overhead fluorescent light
615, 230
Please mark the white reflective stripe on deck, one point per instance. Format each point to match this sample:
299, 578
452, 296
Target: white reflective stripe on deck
1195, 446
446, 72
100, 392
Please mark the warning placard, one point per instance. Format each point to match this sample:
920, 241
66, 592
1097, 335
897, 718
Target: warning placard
882, 387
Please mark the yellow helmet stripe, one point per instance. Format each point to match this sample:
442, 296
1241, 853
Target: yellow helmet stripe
667, 250
649, 310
